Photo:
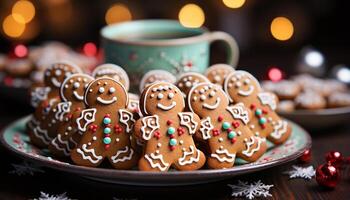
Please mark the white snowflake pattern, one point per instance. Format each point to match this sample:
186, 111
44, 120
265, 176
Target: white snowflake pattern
250, 190
25, 168
45, 196
301, 172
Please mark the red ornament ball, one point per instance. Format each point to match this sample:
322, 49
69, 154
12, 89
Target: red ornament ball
335, 158
327, 175
306, 157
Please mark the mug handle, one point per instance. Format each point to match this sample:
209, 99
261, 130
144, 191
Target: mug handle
232, 47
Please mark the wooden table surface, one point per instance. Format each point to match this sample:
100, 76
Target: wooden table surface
53, 182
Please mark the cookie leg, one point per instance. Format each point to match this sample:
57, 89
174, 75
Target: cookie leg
124, 158
86, 156
221, 158
40, 137
191, 159
281, 132
255, 147
59, 146
153, 162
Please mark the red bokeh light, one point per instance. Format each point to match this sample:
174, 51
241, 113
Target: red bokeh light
21, 51
275, 74
90, 49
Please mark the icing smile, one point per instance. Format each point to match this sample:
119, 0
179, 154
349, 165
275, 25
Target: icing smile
77, 96
106, 102
246, 92
214, 106
166, 108
55, 82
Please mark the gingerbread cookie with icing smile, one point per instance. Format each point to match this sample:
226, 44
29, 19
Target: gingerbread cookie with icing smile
41, 120
156, 76
187, 80
218, 72
224, 128
112, 71
241, 86
167, 130
105, 127
66, 112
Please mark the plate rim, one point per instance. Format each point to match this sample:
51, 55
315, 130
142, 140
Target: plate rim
113, 173
322, 112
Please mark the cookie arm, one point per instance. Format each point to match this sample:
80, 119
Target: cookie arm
205, 128
146, 127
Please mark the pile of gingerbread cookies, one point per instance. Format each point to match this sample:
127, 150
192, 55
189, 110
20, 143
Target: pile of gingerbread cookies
305, 92
188, 122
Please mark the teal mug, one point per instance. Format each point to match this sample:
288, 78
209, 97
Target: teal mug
140, 46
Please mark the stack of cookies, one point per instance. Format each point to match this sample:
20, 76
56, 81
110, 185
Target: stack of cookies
188, 122
306, 92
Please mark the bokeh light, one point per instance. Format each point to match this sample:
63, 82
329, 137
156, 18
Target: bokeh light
275, 74
90, 49
23, 10
282, 28
314, 59
342, 73
21, 51
233, 3
118, 13
12, 27
192, 16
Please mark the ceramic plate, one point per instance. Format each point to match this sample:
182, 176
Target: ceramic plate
318, 119
14, 139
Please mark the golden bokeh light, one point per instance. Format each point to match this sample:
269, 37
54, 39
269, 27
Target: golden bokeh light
12, 27
192, 16
118, 13
23, 9
282, 28
233, 3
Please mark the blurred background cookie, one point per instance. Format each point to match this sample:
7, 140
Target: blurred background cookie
284, 89
339, 100
310, 100
286, 106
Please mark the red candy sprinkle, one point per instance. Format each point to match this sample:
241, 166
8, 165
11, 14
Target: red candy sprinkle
157, 134
265, 111
78, 109
171, 136
169, 122
252, 106
216, 132
263, 126
107, 115
229, 130
220, 118
172, 148
107, 146
235, 124
180, 130
233, 140
93, 127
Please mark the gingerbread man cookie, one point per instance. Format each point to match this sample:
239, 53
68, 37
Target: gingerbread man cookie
112, 71
53, 78
218, 72
105, 127
66, 112
154, 76
187, 80
167, 130
224, 128
241, 86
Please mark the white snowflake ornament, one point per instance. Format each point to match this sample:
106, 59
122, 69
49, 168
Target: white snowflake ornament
250, 190
25, 168
301, 172
45, 196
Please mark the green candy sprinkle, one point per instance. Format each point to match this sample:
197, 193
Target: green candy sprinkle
107, 120
258, 112
171, 130
172, 142
231, 134
226, 125
262, 120
106, 130
107, 140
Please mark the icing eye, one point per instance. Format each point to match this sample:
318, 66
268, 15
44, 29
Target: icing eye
238, 84
111, 90
86, 85
85, 80
194, 98
101, 90
76, 85
190, 78
58, 72
201, 91
170, 95
66, 86
246, 81
160, 96
212, 93
203, 97
188, 84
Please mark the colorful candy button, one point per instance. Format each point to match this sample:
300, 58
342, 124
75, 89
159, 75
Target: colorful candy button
107, 140
107, 120
258, 112
226, 125
171, 130
106, 130
172, 142
262, 120
231, 134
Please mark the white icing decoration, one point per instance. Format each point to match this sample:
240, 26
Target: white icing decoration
106, 102
76, 85
279, 129
184, 161
249, 152
149, 125
212, 107
205, 128
239, 111
88, 116
160, 96
171, 95
77, 96
126, 118
115, 158
55, 82
227, 157
267, 99
111, 90
166, 108
39, 94
93, 158
42, 135
101, 90
187, 119
151, 157
63, 109
246, 92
